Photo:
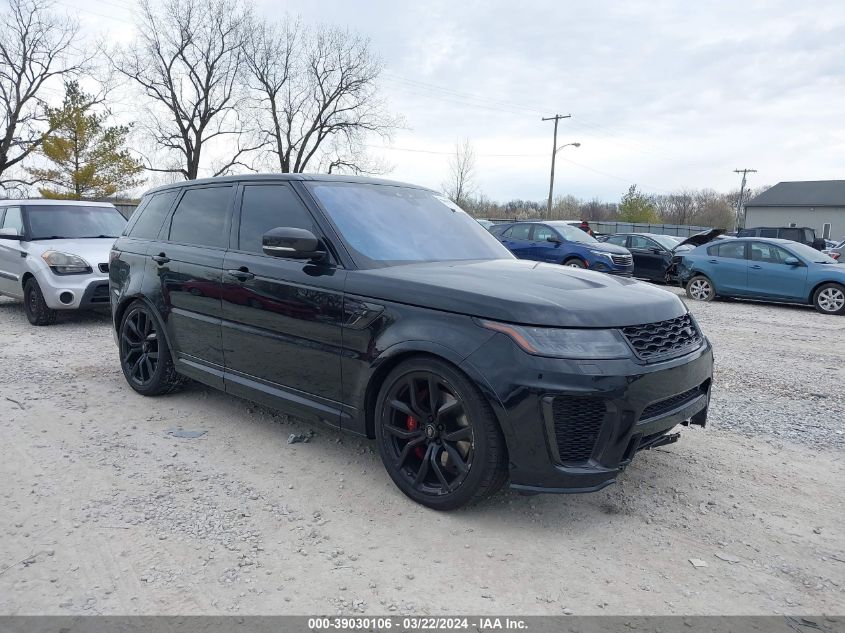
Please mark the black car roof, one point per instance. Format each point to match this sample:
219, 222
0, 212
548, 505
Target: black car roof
289, 177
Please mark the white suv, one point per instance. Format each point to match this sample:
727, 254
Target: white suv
54, 254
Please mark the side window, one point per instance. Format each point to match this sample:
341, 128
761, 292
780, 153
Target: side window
13, 220
730, 250
809, 236
266, 207
200, 217
791, 234
638, 241
151, 216
768, 232
520, 232
543, 233
768, 253
619, 240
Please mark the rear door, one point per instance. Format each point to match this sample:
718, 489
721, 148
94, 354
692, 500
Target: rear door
518, 240
282, 318
188, 262
11, 261
727, 267
770, 277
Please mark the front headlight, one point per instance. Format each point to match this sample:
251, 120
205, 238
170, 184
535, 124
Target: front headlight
565, 342
66, 263
602, 254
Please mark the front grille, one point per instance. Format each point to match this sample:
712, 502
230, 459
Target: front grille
577, 423
104, 268
666, 405
664, 339
622, 260
100, 294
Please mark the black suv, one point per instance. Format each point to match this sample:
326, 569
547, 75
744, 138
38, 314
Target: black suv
385, 310
800, 234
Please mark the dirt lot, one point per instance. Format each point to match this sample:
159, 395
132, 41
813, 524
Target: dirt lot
104, 512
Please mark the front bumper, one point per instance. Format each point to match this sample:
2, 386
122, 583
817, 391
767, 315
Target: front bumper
604, 266
74, 292
572, 426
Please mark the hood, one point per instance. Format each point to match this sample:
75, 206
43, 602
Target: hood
520, 291
608, 248
94, 251
700, 238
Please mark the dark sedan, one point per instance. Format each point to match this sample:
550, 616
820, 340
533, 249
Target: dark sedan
653, 253
385, 310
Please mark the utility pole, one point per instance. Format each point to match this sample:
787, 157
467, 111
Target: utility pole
554, 118
740, 215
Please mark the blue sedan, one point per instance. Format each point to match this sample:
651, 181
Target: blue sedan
766, 269
562, 243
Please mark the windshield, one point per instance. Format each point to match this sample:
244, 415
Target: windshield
73, 221
384, 225
811, 254
573, 233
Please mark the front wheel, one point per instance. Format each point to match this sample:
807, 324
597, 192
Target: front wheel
144, 355
830, 299
437, 436
37, 311
700, 288
574, 263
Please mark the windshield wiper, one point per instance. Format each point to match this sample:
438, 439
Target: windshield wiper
94, 237
51, 237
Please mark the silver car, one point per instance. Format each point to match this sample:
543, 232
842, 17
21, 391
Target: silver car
54, 254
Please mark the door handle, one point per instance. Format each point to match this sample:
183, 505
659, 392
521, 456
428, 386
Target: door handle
712, 261
161, 259
242, 274
755, 266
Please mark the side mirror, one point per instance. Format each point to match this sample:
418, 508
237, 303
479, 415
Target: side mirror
10, 234
656, 251
292, 243
792, 261
553, 239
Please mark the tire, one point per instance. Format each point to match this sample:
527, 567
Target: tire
830, 299
447, 459
144, 354
37, 311
700, 288
574, 262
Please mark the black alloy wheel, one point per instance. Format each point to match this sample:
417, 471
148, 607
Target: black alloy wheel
437, 437
144, 355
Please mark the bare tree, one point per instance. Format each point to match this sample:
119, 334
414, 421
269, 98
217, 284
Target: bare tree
36, 46
316, 97
460, 184
188, 60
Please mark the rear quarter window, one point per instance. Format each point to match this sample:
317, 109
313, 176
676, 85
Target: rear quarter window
151, 214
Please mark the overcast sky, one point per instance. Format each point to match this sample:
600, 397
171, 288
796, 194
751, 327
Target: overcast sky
665, 94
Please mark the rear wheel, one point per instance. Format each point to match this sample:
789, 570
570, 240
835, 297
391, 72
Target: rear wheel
438, 437
574, 263
144, 355
37, 311
830, 299
700, 288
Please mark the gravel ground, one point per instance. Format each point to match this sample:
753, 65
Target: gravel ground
104, 512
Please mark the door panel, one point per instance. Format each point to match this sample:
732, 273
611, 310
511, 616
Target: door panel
516, 239
188, 262
647, 263
769, 277
542, 249
284, 325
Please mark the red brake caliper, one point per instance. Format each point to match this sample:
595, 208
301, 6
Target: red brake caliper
413, 425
